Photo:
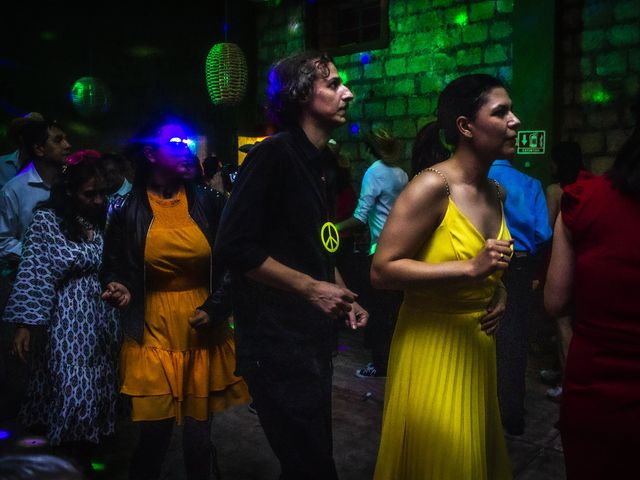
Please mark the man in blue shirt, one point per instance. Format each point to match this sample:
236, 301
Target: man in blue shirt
12, 163
528, 221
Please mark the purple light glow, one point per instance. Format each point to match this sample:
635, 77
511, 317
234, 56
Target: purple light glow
31, 442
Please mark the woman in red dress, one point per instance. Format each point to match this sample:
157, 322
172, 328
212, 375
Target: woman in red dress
594, 275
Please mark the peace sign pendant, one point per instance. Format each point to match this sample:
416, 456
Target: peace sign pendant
330, 237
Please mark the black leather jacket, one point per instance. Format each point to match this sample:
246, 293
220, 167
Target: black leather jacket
123, 258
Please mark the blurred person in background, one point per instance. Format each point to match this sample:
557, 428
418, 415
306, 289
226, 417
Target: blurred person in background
593, 277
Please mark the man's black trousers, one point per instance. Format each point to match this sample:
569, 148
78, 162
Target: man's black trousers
294, 407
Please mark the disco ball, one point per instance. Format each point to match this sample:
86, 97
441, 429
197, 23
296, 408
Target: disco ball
90, 97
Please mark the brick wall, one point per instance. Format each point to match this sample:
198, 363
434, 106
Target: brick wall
600, 45
431, 43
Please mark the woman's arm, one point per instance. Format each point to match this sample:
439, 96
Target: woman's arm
414, 217
116, 289
558, 289
553, 194
113, 269
33, 295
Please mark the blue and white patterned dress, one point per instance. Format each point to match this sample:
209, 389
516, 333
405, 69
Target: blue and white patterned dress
73, 385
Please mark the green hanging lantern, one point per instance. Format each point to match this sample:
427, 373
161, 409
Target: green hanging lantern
226, 72
90, 97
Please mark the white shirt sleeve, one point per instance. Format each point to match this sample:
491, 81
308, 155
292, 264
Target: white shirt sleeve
369, 192
9, 226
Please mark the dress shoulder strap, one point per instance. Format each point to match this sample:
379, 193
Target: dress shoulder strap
499, 192
446, 183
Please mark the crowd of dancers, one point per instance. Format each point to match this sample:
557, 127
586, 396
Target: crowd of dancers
189, 299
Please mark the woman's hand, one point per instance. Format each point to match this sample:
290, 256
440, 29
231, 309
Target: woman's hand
199, 319
498, 305
21, 340
116, 295
495, 255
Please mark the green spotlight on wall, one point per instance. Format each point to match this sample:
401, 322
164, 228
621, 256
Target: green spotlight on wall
98, 467
226, 74
90, 96
461, 19
600, 96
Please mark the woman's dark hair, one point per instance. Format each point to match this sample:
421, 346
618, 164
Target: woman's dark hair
567, 157
210, 166
291, 84
625, 172
145, 137
427, 148
81, 167
463, 97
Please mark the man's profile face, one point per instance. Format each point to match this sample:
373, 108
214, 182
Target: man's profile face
57, 148
330, 99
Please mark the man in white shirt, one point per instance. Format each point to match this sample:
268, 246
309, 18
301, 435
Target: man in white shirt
382, 183
47, 147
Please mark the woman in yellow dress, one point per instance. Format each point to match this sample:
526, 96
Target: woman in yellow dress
178, 354
446, 245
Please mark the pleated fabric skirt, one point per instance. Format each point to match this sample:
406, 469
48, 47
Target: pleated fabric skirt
441, 417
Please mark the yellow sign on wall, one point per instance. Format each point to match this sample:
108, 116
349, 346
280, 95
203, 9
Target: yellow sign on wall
246, 141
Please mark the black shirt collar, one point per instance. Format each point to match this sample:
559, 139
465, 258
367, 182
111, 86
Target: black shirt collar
308, 148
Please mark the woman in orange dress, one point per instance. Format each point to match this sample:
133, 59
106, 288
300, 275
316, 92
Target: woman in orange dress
178, 354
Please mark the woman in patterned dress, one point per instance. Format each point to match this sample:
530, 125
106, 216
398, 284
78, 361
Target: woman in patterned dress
178, 354
72, 388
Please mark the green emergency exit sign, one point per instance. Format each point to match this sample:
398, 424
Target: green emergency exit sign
531, 141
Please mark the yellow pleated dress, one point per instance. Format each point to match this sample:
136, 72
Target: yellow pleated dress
178, 371
441, 417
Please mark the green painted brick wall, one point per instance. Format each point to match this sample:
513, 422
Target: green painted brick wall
627, 10
475, 33
482, 11
622, 35
601, 53
431, 43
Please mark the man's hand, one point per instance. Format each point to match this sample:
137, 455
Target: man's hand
498, 305
357, 317
21, 340
116, 295
331, 298
199, 319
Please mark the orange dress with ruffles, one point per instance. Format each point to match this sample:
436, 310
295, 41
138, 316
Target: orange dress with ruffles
178, 371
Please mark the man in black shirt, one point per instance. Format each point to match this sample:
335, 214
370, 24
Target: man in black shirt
277, 239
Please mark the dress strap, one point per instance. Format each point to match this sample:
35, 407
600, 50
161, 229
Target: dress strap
446, 183
498, 189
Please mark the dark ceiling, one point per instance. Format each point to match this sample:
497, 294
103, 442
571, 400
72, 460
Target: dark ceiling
151, 63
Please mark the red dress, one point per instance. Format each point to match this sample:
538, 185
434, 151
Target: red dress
600, 411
